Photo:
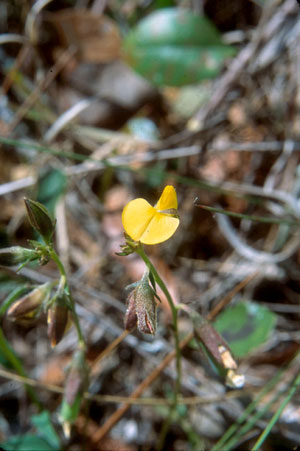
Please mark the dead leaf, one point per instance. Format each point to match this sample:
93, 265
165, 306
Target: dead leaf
96, 37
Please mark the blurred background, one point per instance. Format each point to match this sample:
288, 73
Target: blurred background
106, 101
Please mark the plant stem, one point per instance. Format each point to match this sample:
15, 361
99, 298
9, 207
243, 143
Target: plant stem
140, 251
61, 268
164, 430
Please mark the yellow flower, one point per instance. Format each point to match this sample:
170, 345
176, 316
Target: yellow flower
152, 225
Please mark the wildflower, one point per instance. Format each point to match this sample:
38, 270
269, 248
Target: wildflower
152, 225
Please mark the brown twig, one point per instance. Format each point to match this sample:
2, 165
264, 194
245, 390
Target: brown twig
190, 400
8, 80
108, 350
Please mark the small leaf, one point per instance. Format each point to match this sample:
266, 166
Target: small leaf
175, 47
44, 426
26, 442
245, 326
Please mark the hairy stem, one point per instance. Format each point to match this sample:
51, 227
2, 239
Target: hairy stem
140, 251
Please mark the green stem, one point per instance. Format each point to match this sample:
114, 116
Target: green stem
61, 268
262, 219
228, 439
277, 414
140, 251
17, 365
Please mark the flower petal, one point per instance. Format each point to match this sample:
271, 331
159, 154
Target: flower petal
160, 228
136, 216
168, 199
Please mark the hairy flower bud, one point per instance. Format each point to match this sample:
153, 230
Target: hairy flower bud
145, 305
16, 255
30, 303
141, 307
40, 219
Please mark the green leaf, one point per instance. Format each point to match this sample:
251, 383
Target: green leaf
27, 442
46, 440
51, 185
245, 326
44, 426
175, 47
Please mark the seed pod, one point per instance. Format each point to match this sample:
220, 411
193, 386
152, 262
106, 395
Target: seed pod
218, 350
16, 255
40, 219
214, 344
57, 319
30, 303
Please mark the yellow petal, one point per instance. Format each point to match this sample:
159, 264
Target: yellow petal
167, 200
160, 228
136, 216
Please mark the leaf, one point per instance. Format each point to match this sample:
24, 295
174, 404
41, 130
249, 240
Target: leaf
26, 442
44, 426
175, 47
245, 326
46, 440
51, 185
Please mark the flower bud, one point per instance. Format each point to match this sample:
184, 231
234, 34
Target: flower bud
40, 219
129, 247
30, 303
16, 255
141, 307
145, 305
57, 319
